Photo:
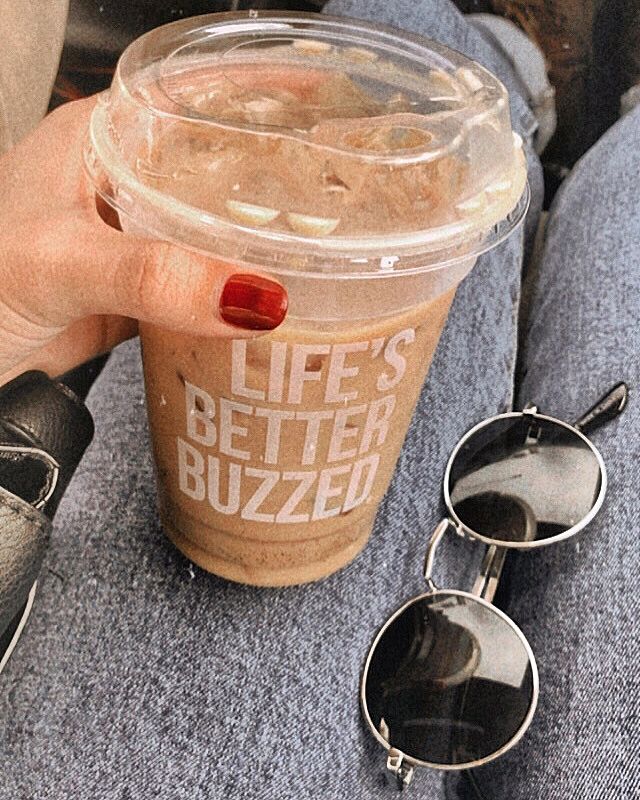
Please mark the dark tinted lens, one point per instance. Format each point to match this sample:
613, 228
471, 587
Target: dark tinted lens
523, 478
450, 681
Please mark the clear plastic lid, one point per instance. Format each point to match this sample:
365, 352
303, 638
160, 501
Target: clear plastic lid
309, 143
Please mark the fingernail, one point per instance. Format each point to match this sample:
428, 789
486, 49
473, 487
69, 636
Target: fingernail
253, 302
108, 213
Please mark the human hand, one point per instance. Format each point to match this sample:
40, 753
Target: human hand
72, 286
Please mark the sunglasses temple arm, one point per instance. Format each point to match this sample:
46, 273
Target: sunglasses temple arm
487, 581
607, 408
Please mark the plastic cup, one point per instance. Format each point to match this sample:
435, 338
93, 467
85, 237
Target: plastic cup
365, 169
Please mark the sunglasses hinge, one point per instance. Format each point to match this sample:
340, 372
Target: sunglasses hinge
398, 767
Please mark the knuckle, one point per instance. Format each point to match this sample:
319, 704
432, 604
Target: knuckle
135, 278
159, 282
145, 279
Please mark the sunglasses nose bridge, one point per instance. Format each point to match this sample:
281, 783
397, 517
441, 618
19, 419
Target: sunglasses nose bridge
486, 583
440, 530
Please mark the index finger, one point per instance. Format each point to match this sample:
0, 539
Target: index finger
48, 163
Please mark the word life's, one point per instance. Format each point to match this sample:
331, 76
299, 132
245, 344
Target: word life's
298, 441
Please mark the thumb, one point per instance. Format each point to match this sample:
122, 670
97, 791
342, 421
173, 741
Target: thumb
158, 282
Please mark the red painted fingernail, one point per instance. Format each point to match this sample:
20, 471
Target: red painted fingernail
108, 213
253, 302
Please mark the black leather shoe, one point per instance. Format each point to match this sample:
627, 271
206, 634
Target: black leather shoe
44, 430
9, 639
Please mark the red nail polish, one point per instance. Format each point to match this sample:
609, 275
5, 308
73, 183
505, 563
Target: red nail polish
253, 302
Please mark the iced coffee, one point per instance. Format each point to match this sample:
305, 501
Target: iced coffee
365, 179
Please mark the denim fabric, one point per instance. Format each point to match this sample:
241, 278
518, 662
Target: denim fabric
577, 602
141, 676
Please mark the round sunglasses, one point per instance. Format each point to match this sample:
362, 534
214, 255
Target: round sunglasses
450, 682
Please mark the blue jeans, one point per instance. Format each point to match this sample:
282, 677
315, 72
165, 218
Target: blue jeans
140, 676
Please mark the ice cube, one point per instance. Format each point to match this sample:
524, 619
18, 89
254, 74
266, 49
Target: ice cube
312, 226
360, 54
469, 78
444, 86
332, 183
476, 204
312, 46
250, 214
499, 186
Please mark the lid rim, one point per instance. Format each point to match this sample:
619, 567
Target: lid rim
350, 257
369, 244
465, 235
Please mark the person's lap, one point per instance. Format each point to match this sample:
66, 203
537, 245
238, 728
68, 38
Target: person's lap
138, 672
141, 676
577, 602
